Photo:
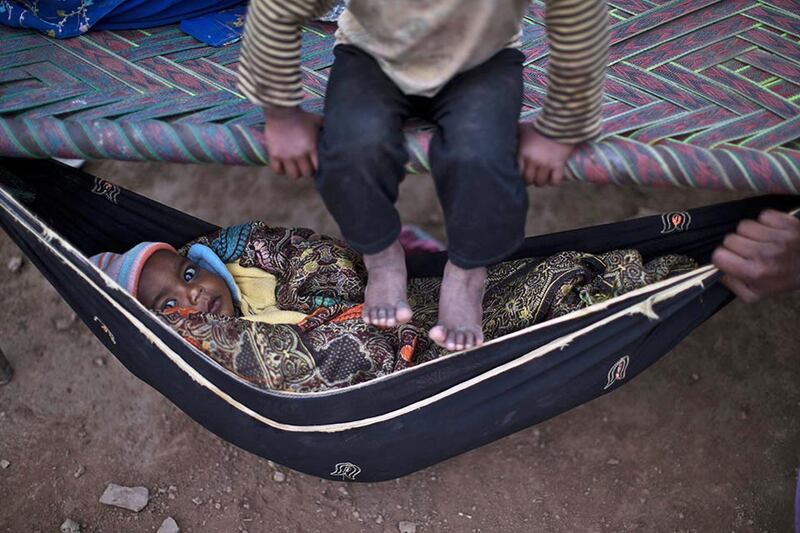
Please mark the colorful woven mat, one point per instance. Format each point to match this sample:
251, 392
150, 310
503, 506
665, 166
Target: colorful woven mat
700, 93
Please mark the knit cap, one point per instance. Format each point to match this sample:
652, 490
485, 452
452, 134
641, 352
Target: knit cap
126, 268
204, 257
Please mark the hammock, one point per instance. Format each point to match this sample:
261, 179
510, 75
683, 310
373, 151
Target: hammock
395, 424
700, 93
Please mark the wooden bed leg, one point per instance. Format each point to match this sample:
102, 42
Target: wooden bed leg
6, 371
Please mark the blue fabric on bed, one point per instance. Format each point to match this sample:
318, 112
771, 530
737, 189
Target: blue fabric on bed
218, 28
69, 18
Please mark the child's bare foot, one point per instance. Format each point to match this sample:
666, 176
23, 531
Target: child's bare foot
460, 309
385, 302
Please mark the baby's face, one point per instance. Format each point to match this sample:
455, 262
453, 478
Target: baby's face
171, 280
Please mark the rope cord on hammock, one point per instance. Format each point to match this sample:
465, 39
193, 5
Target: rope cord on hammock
699, 94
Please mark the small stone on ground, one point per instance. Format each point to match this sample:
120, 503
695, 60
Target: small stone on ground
169, 525
70, 526
15, 263
4, 464
279, 477
63, 324
131, 498
407, 527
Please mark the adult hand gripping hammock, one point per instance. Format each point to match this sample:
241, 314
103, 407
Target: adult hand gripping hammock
699, 94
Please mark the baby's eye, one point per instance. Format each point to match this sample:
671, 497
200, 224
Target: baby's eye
169, 303
189, 273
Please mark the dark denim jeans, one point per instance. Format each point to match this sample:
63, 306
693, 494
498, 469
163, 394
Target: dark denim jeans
473, 155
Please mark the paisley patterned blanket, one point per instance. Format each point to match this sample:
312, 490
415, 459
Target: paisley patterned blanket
332, 348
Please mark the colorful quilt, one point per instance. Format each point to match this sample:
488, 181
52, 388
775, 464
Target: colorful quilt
333, 348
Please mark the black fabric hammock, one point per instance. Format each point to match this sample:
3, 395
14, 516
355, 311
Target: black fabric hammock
396, 424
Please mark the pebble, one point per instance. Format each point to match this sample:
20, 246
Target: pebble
279, 477
70, 526
14, 264
4, 464
612, 462
379, 519
197, 501
169, 525
100, 361
78, 472
695, 376
343, 491
63, 324
407, 527
131, 498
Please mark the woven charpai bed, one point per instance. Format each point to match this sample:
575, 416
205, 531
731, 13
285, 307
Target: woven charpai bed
699, 94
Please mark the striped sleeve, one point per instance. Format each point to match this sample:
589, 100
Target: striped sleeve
577, 32
269, 62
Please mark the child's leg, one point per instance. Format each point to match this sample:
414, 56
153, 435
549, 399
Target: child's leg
361, 162
474, 163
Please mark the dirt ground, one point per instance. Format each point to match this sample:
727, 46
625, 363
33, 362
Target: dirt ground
706, 440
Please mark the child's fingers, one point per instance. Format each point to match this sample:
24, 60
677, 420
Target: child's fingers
542, 175
526, 169
292, 169
277, 166
314, 161
557, 176
304, 166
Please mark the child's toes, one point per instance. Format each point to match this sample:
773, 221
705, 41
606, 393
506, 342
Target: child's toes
460, 339
451, 340
403, 313
475, 339
469, 339
366, 314
438, 334
385, 316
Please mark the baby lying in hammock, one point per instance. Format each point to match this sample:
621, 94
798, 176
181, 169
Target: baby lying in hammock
282, 307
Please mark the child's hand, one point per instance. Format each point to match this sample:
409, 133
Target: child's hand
291, 137
762, 258
541, 160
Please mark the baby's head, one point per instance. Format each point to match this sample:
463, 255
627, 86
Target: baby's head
160, 278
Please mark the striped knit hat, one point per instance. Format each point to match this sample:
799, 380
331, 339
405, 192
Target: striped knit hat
126, 268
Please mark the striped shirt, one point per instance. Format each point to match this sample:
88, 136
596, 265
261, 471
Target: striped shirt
423, 44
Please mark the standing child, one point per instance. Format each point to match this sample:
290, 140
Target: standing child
454, 62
